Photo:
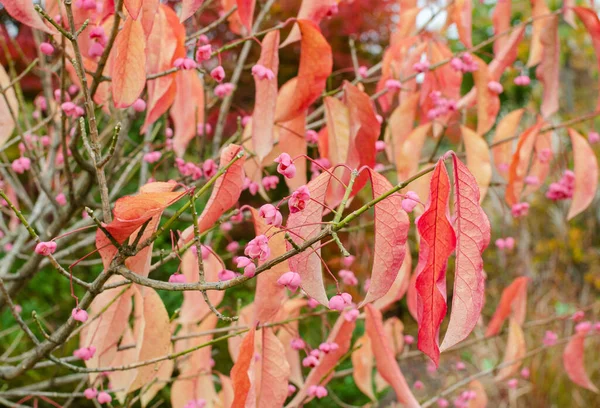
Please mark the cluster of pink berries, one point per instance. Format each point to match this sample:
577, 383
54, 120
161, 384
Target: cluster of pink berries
505, 243
564, 188
261, 72
85, 353
519, 210
348, 277
21, 165
522, 80
464, 63
442, 106
197, 403
102, 397
100, 39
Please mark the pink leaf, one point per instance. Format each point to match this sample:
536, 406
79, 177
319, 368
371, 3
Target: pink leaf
391, 233
187, 110
515, 351
133, 7
574, 361
7, 124
472, 236
305, 225
239, 373
129, 64
315, 66
400, 285
385, 358
23, 11
439, 241
189, 7
586, 174
548, 71
246, 12
265, 97
341, 334
513, 301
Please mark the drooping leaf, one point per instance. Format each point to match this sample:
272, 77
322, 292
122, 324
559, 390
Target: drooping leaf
315, 66
462, 14
189, 7
515, 351
265, 97
512, 302
269, 295
362, 364
391, 233
23, 11
538, 8
501, 22
293, 142
187, 110
478, 159
7, 124
225, 193
586, 174
129, 64
472, 237
290, 310
305, 225
274, 372
438, 240
130, 213
540, 164
313, 10
149, 12
133, 7
506, 55
400, 124
481, 398
341, 334
574, 360
246, 12
488, 102
408, 153
240, 372
520, 163
592, 24
400, 285
548, 72
385, 358
502, 151
568, 14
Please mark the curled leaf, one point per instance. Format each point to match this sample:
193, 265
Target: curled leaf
513, 301
586, 174
574, 361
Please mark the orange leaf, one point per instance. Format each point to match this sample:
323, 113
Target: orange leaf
462, 14
548, 72
539, 8
187, 110
488, 102
472, 237
129, 64
574, 360
189, 7
540, 167
408, 153
506, 129
23, 11
293, 142
520, 163
592, 24
313, 10
481, 398
400, 285
246, 12
315, 66
513, 301
274, 372
240, 371
586, 174
501, 23
341, 334
133, 7
391, 233
362, 364
400, 124
507, 54
515, 350
478, 159
305, 225
438, 242
7, 124
385, 359
266, 98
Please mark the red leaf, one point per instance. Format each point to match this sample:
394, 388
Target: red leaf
272, 388
515, 351
539, 8
239, 373
225, 193
574, 360
313, 10
130, 213
478, 159
187, 110
246, 12
133, 7
341, 334
501, 23
399, 286
548, 72
506, 129
269, 294
315, 66
188, 8
472, 237
592, 24
23, 11
169, 35
129, 64
385, 358
586, 174
305, 225
265, 97
391, 232
462, 14
513, 301
439, 241
520, 164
